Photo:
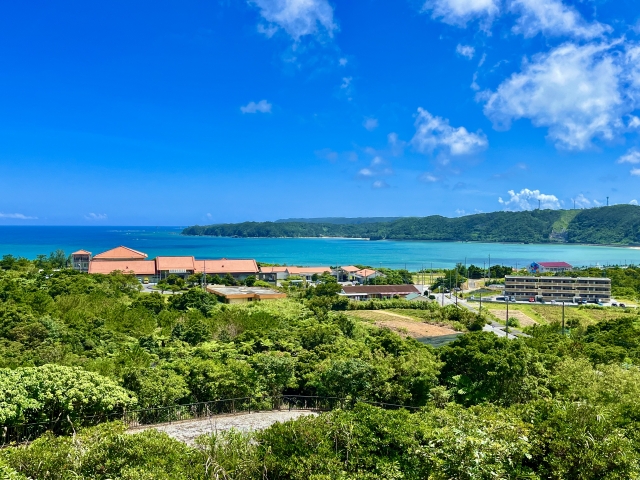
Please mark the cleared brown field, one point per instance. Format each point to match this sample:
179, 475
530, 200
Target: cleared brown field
402, 324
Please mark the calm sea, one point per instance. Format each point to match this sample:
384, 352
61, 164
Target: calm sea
31, 241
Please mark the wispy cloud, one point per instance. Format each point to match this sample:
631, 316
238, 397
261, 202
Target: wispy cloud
370, 123
378, 184
17, 216
96, 216
297, 18
261, 107
554, 18
460, 12
632, 156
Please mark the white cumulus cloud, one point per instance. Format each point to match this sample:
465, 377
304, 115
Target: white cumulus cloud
261, 107
297, 17
635, 172
579, 92
435, 133
380, 184
527, 199
553, 18
633, 202
466, 51
17, 216
460, 12
632, 156
96, 216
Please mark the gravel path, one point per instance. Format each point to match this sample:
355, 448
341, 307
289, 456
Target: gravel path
189, 430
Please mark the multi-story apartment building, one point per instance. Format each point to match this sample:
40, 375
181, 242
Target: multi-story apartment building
565, 289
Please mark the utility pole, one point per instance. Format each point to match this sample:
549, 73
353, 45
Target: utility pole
607, 201
507, 322
480, 311
539, 204
563, 318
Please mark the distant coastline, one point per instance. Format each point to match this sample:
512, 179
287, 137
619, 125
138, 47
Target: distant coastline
631, 247
618, 225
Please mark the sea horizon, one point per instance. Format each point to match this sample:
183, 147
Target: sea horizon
30, 241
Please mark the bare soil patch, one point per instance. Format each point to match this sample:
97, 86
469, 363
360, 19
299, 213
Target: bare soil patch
523, 319
402, 324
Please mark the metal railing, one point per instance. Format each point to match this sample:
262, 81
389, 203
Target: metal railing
26, 432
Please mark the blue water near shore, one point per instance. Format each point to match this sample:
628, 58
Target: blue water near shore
31, 241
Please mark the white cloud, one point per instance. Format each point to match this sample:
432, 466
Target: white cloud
581, 201
579, 92
380, 184
466, 51
460, 12
17, 216
553, 18
297, 17
343, 62
634, 122
635, 172
267, 30
96, 216
632, 156
261, 107
366, 172
633, 202
370, 123
528, 200
435, 133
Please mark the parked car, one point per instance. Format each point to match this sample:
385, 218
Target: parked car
614, 304
622, 305
532, 300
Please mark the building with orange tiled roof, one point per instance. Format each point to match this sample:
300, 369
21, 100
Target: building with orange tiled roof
80, 260
120, 253
145, 268
128, 260
238, 269
362, 276
181, 266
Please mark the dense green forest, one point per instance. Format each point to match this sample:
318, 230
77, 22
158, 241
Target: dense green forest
73, 345
615, 225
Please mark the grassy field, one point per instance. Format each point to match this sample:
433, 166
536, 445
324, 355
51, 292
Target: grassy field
546, 314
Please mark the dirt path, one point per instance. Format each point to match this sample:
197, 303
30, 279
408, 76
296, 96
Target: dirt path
523, 319
402, 324
189, 430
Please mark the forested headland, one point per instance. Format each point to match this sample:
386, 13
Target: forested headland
73, 346
615, 225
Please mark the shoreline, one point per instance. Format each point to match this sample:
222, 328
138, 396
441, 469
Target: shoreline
631, 247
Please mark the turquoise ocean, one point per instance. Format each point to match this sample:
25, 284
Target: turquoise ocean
31, 241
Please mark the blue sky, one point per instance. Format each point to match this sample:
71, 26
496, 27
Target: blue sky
176, 113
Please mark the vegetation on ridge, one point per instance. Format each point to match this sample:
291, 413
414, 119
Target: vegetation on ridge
615, 225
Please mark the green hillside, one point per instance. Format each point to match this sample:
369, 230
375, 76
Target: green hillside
615, 225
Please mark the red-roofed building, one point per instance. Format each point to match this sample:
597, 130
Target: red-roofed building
120, 253
238, 269
550, 267
366, 274
141, 269
80, 260
181, 266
